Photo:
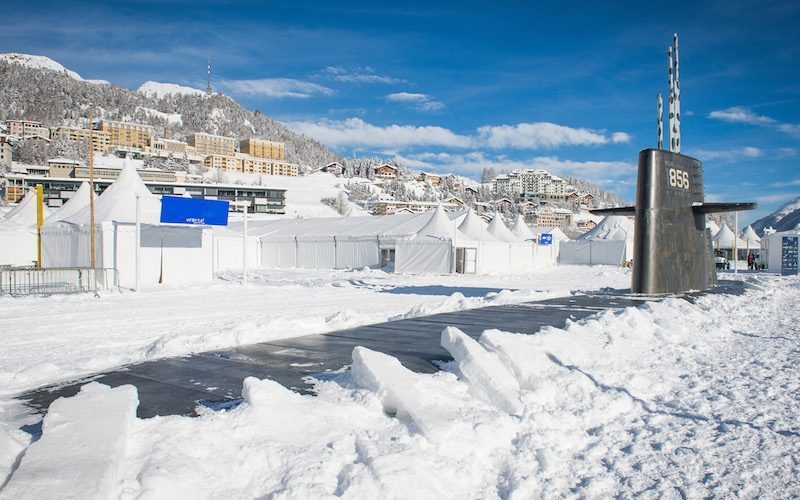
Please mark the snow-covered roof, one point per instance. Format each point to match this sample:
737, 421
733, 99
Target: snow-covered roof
612, 227
61, 159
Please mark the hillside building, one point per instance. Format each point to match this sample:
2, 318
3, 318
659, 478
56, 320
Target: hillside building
133, 136
26, 129
208, 144
530, 184
62, 167
385, 171
101, 141
5, 153
262, 148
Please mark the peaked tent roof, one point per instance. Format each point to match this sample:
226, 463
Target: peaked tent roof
557, 233
749, 234
79, 200
612, 227
440, 226
476, 228
724, 236
713, 226
499, 230
521, 230
118, 201
24, 215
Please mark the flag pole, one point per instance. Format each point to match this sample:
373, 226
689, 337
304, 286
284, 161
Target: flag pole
91, 186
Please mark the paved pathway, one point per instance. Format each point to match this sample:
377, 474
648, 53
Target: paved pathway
176, 385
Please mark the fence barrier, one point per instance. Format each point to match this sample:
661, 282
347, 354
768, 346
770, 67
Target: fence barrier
19, 281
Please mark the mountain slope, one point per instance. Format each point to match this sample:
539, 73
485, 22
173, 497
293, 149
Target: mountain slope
41, 89
786, 218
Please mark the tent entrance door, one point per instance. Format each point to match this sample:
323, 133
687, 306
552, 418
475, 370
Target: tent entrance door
387, 256
466, 260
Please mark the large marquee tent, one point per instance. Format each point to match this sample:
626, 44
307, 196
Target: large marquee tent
609, 242
169, 253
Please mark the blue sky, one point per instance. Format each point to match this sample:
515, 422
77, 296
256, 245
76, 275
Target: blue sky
458, 86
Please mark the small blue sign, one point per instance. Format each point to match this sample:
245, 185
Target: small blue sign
546, 239
179, 210
789, 256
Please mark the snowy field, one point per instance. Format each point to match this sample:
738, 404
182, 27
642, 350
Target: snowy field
668, 400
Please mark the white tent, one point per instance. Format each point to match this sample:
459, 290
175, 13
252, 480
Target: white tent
749, 239
713, 227
74, 204
520, 253
493, 253
169, 253
547, 254
438, 247
18, 240
610, 242
521, 229
228, 249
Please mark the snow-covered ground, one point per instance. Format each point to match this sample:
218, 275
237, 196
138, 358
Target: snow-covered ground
668, 400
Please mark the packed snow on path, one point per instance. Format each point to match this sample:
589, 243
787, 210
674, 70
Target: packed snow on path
671, 399
59, 338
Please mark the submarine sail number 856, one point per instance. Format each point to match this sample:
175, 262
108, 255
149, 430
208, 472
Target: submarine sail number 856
679, 178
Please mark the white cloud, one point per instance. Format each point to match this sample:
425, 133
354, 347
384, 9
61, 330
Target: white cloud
539, 135
726, 155
357, 132
618, 137
422, 102
358, 75
775, 197
739, 114
276, 87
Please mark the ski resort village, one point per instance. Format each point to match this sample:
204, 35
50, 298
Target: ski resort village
367, 252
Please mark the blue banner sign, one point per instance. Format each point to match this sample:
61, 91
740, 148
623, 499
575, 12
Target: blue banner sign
789, 256
546, 239
179, 210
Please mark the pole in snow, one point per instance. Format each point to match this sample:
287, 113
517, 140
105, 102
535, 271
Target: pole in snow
138, 243
244, 247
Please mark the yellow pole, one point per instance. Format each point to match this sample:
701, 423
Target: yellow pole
91, 186
39, 223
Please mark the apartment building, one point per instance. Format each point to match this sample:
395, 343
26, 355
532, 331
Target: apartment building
553, 217
62, 167
282, 168
27, 129
5, 153
531, 183
255, 165
228, 163
209, 144
171, 146
135, 136
101, 141
262, 148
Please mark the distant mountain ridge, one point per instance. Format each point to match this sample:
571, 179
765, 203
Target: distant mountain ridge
38, 88
786, 218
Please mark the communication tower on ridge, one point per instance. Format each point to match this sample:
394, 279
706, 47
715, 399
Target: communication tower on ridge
208, 89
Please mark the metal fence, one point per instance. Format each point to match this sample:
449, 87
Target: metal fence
59, 280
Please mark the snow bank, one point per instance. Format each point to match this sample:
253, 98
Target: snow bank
82, 448
667, 399
486, 375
